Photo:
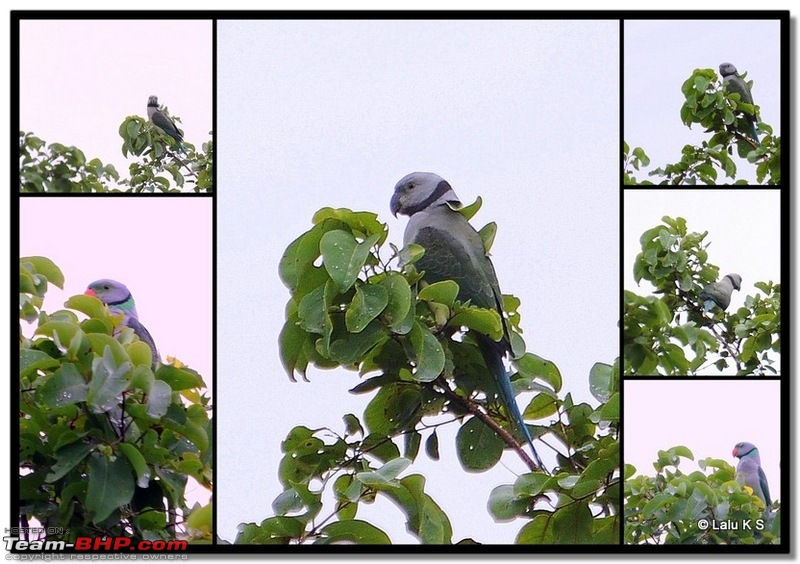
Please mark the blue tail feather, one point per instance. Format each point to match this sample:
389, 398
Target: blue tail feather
494, 361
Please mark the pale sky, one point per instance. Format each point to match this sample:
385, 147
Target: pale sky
334, 113
661, 55
80, 79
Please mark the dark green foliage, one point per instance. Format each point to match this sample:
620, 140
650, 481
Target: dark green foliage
668, 333
106, 443
56, 168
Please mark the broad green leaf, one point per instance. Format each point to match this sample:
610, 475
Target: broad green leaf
368, 303
108, 381
275, 530
601, 383
504, 505
68, 458
46, 268
138, 463
344, 257
64, 387
485, 321
89, 305
487, 234
533, 366
110, 486
355, 531
159, 399
479, 447
443, 292
572, 524
399, 299
179, 378
428, 354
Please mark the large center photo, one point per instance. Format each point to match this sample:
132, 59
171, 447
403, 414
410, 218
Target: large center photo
418, 260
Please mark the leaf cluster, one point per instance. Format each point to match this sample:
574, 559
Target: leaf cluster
703, 507
414, 346
107, 444
669, 333
725, 116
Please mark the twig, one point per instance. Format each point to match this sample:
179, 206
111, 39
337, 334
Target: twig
475, 410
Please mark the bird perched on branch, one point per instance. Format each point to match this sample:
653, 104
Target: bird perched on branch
120, 301
736, 84
455, 251
749, 471
719, 293
164, 122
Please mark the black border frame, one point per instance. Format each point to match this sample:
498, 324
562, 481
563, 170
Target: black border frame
787, 230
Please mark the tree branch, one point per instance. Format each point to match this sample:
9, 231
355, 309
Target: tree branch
475, 410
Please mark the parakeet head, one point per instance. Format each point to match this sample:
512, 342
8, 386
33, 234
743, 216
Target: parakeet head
110, 292
152, 102
420, 190
745, 449
727, 69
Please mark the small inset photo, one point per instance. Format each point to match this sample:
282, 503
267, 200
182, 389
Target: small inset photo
702, 283
702, 462
700, 106
115, 106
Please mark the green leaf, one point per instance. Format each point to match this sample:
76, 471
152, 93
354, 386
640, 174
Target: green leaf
159, 399
110, 486
428, 354
32, 360
572, 524
601, 382
64, 387
533, 366
108, 381
479, 447
467, 211
47, 268
67, 458
355, 531
540, 407
344, 257
179, 378
485, 321
610, 411
275, 530
504, 505
487, 234
537, 531
432, 446
399, 299
90, 305
443, 292
368, 303
138, 463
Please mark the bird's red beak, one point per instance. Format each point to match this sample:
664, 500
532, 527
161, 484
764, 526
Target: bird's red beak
90, 292
734, 452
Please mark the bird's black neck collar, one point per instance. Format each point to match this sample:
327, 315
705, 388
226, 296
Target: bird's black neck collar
441, 189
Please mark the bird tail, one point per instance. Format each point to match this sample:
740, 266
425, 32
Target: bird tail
493, 356
755, 133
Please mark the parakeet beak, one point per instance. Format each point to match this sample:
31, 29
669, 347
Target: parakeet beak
90, 292
394, 204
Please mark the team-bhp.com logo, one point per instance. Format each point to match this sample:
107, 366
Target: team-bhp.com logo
100, 544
